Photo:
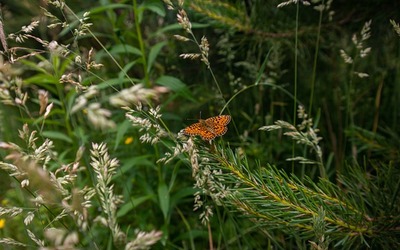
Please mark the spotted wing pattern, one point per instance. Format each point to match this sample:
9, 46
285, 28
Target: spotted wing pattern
210, 128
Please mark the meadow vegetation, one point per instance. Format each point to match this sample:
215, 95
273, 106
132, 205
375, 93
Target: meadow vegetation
95, 96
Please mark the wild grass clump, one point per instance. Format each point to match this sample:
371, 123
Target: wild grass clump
95, 98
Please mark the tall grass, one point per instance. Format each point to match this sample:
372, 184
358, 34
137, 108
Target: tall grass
95, 96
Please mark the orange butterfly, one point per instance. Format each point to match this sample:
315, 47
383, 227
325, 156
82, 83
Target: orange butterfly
209, 128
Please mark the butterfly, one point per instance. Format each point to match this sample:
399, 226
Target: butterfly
209, 128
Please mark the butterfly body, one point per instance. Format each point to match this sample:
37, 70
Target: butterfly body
209, 128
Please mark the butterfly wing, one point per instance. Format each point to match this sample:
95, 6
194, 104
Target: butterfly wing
217, 124
221, 120
220, 130
210, 128
199, 129
207, 135
194, 129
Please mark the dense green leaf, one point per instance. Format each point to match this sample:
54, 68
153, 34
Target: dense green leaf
175, 85
57, 136
164, 199
154, 51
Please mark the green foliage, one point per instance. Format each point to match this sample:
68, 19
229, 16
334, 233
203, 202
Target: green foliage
277, 201
94, 94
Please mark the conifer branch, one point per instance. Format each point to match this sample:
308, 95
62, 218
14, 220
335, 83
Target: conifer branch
272, 198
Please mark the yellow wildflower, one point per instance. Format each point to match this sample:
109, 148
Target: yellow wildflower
128, 140
2, 223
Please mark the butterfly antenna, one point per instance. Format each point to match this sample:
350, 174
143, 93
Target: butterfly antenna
190, 119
